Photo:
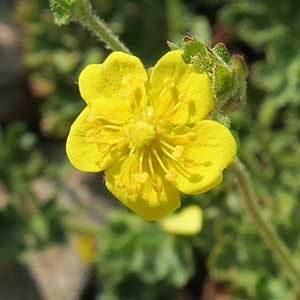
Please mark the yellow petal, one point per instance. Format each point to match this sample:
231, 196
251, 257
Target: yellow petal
107, 87
214, 149
186, 222
83, 155
121, 179
193, 90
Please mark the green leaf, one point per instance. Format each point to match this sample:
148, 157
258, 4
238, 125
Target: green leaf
13, 228
132, 248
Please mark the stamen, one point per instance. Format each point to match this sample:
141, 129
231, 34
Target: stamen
176, 163
129, 103
114, 144
160, 161
141, 177
132, 91
131, 190
169, 84
173, 110
174, 160
179, 168
171, 176
184, 138
175, 156
113, 127
178, 151
167, 144
141, 158
157, 186
150, 163
165, 151
104, 121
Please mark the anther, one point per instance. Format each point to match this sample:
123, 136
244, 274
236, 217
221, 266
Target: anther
178, 151
112, 127
131, 190
157, 187
141, 177
171, 176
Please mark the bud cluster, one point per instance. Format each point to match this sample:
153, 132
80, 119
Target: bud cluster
227, 73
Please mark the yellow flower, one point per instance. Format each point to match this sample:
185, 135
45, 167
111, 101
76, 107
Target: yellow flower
149, 133
187, 222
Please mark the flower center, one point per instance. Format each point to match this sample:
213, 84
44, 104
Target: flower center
139, 133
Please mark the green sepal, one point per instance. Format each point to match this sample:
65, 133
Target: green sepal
222, 82
62, 10
239, 65
173, 46
227, 73
240, 73
191, 48
221, 51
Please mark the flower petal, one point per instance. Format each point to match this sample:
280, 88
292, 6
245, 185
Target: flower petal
213, 151
84, 155
141, 198
192, 89
186, 222
106, 87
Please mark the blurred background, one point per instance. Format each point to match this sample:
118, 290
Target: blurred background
64, 237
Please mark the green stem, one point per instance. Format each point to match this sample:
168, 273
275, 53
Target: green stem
173, 10
265, 228
84, 15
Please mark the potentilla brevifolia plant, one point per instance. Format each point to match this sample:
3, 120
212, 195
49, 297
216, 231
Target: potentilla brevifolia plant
158, 132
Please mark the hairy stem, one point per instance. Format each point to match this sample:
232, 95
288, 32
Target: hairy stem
86, 17
173, 10
265, 228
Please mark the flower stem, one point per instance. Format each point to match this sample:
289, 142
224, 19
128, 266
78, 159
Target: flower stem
265, 228
85, 16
